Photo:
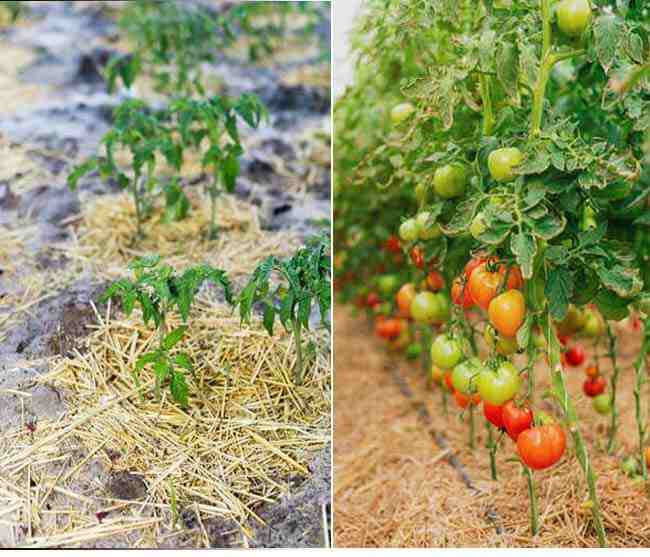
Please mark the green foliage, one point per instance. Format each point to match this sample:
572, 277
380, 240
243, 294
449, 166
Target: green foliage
158, 289
304, 283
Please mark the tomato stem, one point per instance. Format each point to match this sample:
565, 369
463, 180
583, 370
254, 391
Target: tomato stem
639, 371
492, 448
488, 110
612, 354
297, 328
471, 424
136, 202
532, 496
214, 191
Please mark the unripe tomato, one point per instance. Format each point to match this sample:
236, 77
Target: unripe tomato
588, 218
449, 181
493, 414
573, 16
444, 311
446, 352
409, 230
413, 351
404, 297
478, 226
501, 163
542, 446
503, 345
574, 321
401, 112
387, 284
435, 281
594, 325
575, 356
463, 375
464, 400
417, 257
425, 307
592, 371
506, 312
603, 404
516, 419
594, 386
427, 231
421, 192
500, 385
460, 294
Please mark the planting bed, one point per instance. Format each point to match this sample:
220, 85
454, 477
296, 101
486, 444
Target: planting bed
85, 461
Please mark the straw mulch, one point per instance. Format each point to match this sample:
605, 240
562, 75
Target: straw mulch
121, 465
394, 488
104, 238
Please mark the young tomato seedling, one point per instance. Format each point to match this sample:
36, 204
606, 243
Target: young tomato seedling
305, 282
158, 289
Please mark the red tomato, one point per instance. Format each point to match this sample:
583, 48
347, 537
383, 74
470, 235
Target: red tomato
388, 328
515, 419
594, 386
507, 312
450, 385
417, 257
392, 244
373, 300
484, 283
404, 297
493, 414
460, 294
575, 355
542, 446
473, 264
463, 400
435, 281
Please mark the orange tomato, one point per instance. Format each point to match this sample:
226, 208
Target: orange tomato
404, 297
506, 312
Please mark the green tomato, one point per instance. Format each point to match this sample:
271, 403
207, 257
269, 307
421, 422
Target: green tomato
444, 308
593, 325
462, 378
573, 16
427, 231
449, 181
409, 230
387, 284
425, 307
478, 226
413, 351
401, 112
500, 385
504, 346
446, 352
502, 161
603, 404
588, 218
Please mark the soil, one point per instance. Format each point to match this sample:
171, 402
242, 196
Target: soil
406, 477
58, 111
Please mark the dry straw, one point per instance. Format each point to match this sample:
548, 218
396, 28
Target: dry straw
246, 432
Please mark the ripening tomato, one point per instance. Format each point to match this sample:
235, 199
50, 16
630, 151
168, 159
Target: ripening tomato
573, 16
449, 181
473, 264
503, 345
493, 414
499, 385
448, 384
506, 312
404, 297
402, 340
417, 257
647, 456
425, 307
542, 446
437, 374
460, 294
464, 400
462, 377
484, 283
388, 328
446, 351
516, 419
409, 230
435, 281
401, 112
592, 371
501, 163
594, 386
575, 356
593, 325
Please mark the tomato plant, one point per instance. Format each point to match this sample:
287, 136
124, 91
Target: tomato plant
528, 146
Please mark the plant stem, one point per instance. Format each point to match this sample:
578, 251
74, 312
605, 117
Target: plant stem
488, 110
532, 496
561, 394
639, 380
214, 191
492, 447
136, 201
613, 350
297, 328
